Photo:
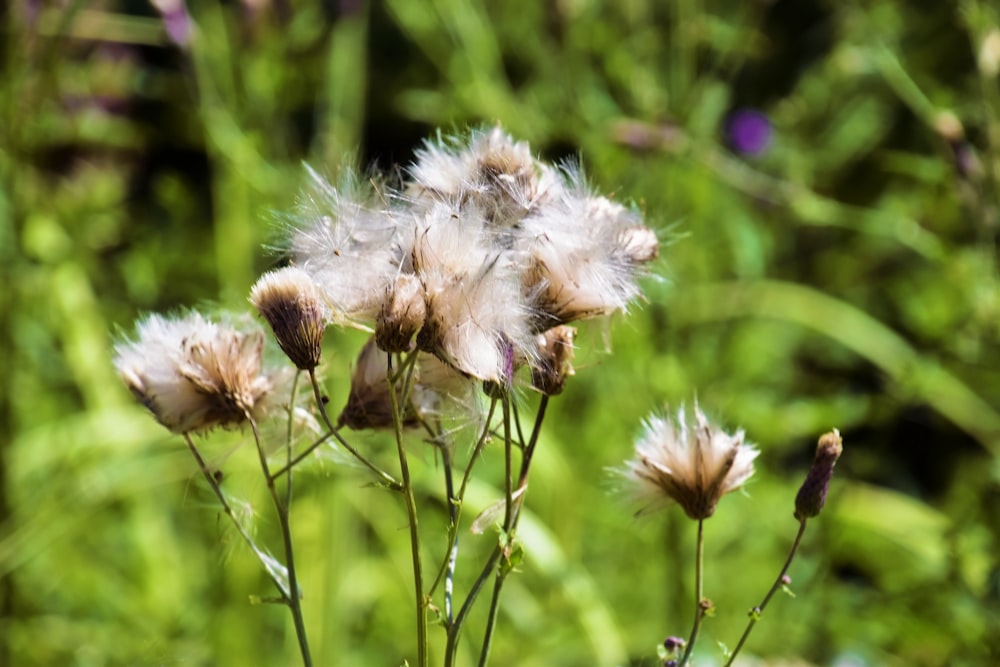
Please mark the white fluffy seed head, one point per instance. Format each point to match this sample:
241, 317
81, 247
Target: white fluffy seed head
584, 257
691, 464
194, 374
369, 404
349, 244
554, 362
489, 171
476, 315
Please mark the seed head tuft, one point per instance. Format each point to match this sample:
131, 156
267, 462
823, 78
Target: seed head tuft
194, 374
693, 465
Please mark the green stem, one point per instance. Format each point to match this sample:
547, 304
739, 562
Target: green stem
456, 500
293, 598
335, 432
508, 533
451, 645
228, 510
757, 611
411, 513
699, 609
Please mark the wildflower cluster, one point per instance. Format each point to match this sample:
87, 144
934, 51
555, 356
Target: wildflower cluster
468, 270
482, 249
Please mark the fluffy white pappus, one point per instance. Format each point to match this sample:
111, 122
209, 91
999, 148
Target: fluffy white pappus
351, 243
486, 169
443, 394
691, 464
194, 374
476, 316
584, 257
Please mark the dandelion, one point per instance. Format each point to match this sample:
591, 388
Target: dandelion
193, 374
290, 302
693, 465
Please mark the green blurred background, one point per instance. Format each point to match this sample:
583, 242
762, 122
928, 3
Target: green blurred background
841, 271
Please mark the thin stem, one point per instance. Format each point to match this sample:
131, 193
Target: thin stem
228, 510
451, 645
507, 537
699, 609
293, 598
449, 576
411, 513
456, 500
757, 611
335, 432
292, 462
288, 438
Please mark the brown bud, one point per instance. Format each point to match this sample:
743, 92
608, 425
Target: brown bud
290, 302
555, 360
402, 314
812, 495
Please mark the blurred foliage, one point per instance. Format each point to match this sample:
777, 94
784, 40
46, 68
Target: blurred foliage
846, 275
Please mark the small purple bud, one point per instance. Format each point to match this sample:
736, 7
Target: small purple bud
749, 132
786, 580
812, 495
670, 663
673, 643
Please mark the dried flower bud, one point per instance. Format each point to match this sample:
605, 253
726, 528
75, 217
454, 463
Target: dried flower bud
812, 495
193, 374
290, 302
369, 404
555, 360
402, 314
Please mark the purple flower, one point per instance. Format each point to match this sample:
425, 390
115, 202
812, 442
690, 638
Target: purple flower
749, 132
176, 20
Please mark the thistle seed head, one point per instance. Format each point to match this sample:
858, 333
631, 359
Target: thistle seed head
691, 464
193, 374
402, 315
